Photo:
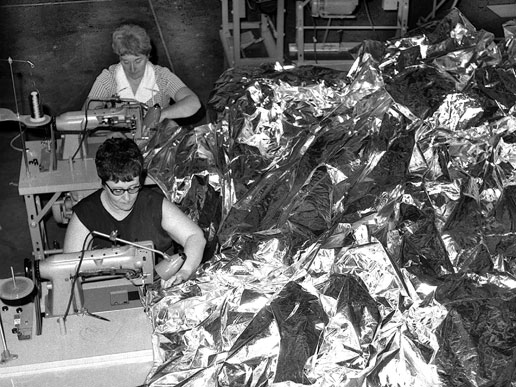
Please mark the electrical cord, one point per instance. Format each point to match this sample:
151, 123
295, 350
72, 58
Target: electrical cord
76, 276
83, 131
11, 143
161, 36
371, 22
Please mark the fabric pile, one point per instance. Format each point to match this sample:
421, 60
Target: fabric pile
361, 225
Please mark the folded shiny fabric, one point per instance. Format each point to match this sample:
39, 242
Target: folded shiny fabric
361, 225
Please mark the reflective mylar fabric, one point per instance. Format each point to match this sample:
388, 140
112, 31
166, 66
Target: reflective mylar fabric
361, 225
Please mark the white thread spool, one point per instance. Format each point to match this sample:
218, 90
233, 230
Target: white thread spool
36, 115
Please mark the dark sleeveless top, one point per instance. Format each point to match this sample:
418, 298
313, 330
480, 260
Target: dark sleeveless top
142, 224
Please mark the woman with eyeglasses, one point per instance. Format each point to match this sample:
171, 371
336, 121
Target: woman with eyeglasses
123, 206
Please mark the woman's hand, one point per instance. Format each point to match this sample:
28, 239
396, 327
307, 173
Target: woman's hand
178, 278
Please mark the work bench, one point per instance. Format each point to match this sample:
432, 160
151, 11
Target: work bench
91, 353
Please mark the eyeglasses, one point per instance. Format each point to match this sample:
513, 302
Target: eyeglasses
121, 191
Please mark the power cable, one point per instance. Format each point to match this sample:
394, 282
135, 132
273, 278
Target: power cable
83, 131
76, 276
371, 22
11, 143
161, 36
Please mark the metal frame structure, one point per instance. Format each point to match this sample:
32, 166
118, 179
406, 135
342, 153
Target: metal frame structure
300, 47
68, 176
234, 24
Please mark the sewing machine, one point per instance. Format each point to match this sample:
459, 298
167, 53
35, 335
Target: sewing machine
106, 338
77, 128
99, 279
78, 347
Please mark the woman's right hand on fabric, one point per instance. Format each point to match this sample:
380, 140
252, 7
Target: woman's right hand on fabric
177, 279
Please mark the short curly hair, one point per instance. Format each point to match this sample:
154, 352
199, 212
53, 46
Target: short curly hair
119, 159
131, 39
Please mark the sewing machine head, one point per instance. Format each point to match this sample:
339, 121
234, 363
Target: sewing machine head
96, 270
77, 127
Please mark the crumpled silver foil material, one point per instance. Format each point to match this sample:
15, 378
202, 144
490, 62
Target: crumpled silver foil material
361, 226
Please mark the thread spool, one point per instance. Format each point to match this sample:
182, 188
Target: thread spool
35, 107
